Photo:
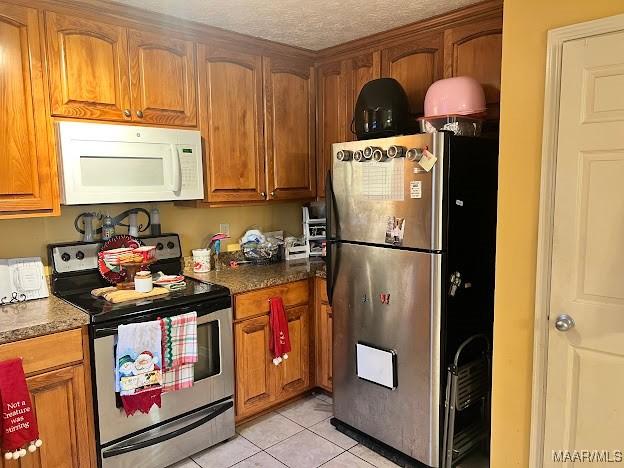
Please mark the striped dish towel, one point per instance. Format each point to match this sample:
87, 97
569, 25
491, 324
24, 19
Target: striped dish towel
179, 339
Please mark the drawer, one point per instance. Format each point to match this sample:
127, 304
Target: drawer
321, 288
257, 302
45, 352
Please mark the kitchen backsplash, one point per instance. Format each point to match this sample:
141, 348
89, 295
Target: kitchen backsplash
29, 237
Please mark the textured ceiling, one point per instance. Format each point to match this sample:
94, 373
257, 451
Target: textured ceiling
311, 24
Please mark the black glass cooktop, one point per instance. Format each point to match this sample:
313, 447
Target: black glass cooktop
101, 310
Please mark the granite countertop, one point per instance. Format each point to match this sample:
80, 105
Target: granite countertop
248, 277
51, 315
38, 317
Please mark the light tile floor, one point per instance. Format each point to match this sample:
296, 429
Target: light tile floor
296, 436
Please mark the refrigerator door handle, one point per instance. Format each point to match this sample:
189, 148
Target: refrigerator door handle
329, 282
329, 203
330, 216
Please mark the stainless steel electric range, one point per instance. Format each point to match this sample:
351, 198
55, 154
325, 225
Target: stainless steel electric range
189, 420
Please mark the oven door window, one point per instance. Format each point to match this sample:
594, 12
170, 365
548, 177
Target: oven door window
208, 350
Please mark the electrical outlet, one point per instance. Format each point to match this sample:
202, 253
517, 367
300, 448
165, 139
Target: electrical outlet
225, 229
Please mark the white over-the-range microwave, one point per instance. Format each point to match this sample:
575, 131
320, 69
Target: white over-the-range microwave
102, 163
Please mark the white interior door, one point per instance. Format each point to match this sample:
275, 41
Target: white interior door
585, 382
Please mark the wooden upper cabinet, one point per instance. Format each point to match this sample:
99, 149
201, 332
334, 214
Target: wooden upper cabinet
27, 168
163, 79
475, 49
290, 120
415, 64
360, 70
232, 124
332, 115
88, 68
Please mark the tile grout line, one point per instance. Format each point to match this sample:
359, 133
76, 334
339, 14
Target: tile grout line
246, 458
276, 459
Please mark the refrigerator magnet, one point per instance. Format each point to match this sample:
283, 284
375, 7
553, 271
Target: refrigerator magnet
415, 189
395, 229
428, 160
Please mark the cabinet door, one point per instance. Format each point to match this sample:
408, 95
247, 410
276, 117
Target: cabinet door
475, 50
290, 121
360, 70
324, 346
232, 126
27, 166
332, 116
88, 63
163, 79
293, 374
415, 64
58, 398
255, 377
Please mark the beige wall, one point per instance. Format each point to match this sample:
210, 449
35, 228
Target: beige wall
525, 25
29, 237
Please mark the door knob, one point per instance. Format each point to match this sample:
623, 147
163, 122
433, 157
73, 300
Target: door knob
564, 323
127, 113
139, 114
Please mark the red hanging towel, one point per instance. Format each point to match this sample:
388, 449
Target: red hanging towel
19, 425
279, 345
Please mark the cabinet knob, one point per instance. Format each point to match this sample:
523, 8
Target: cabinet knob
127, 113
263, 194
139, 114
273, 194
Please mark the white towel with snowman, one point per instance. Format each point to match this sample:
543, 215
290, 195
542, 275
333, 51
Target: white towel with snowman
138, 358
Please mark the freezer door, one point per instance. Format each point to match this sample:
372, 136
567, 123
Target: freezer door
390, 202
386, 356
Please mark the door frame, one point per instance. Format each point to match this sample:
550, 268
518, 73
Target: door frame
556, 39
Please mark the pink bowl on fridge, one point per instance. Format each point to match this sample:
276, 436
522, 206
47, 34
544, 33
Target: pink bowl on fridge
461, 95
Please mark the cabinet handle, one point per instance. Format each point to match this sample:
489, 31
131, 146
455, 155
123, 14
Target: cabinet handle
127, 113
140, 114
273, 194
263, 194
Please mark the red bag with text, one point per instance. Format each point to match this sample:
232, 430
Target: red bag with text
19, 425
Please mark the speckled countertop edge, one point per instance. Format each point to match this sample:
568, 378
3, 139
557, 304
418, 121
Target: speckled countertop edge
38, 317
52, 315
247, 278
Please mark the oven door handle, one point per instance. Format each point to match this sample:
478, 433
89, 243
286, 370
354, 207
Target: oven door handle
132, 446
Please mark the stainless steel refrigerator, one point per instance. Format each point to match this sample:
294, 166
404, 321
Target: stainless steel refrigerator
410, 274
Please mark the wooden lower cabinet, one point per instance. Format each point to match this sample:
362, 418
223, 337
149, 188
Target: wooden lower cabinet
293, 374
60, 400
260, 384
323, 337
255, 377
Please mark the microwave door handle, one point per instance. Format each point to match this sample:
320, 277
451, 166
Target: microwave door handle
177, 174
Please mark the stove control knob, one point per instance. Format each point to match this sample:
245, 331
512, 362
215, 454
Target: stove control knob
159, 246
65, 257
80, 255
170, 245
